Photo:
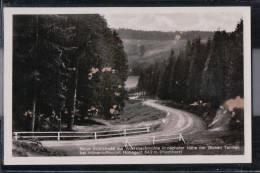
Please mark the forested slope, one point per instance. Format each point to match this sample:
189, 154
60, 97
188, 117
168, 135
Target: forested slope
144, 48
209, 73
65, 68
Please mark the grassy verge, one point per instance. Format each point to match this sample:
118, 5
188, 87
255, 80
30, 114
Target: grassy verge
134, 115
33, 148
136, 112
206, 112
233, 135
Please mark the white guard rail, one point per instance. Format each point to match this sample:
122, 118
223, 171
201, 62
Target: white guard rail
154, 139
81, 135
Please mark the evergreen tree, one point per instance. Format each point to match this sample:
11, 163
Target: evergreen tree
58, 62
197, 62
211, 71
165, 80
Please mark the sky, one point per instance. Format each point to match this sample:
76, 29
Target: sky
174, 21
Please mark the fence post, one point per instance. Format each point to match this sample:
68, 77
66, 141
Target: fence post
95, 135
153, 140
15, 136
58, 136
124, 132
148, 129
126, 141
181, 138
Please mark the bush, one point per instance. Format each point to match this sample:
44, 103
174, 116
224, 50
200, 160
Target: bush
36, 147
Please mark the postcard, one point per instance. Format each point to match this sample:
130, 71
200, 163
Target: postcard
127, 85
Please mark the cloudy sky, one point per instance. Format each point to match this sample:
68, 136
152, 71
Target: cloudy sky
175, 21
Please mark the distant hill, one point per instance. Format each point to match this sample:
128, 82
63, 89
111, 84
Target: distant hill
145, 47
148, 51
159, 35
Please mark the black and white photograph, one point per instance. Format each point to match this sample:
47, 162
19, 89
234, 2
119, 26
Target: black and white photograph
129, 85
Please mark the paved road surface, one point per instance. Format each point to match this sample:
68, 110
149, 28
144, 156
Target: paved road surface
175, 122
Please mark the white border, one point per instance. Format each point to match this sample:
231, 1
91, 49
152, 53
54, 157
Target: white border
10, 160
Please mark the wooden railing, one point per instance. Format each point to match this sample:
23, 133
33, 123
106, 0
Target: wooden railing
153, 140
66, 135
128, 140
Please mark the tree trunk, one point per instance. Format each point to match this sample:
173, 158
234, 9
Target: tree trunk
34, 89
60, 121
33, 114
72, 118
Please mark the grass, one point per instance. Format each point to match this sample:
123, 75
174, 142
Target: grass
134, 115
154, 50
33, 148
136, 112
231, 136
205, 112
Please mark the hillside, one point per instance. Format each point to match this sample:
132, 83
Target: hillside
146, 47
159, 35
148, 51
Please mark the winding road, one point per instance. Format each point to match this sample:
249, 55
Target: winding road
176, 122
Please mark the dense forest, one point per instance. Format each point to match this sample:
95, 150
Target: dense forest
159, 35
65, 68
210, 72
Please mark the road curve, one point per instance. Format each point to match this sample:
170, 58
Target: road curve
176, 122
